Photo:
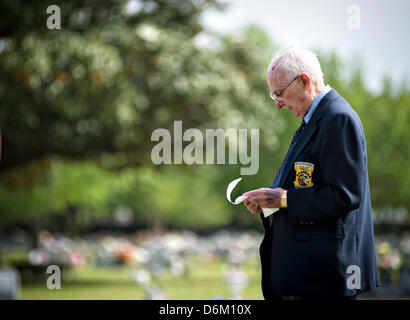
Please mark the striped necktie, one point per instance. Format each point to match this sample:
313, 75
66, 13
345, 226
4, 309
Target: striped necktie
295, 140
278, 176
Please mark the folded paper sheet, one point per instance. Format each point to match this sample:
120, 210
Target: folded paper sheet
266, 211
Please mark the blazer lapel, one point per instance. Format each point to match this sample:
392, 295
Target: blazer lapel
307, 134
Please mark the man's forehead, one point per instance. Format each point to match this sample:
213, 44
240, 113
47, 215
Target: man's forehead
275, 79
277, 74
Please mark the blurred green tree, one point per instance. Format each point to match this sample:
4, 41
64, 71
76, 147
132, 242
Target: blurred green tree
80, 102
97, 88
112, 75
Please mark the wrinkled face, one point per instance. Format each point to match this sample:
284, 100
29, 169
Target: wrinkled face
294, 97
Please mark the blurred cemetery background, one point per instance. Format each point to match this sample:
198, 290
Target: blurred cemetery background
78, 188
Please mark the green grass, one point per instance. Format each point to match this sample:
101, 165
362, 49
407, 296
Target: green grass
90, 282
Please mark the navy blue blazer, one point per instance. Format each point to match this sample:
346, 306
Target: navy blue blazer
327, 226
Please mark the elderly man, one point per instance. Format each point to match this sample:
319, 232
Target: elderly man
320, 242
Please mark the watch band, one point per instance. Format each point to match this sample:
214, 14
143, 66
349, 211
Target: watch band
283, 199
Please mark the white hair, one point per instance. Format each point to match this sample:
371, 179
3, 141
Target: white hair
291, 62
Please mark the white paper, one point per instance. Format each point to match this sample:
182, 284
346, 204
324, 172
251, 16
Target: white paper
231, 186
266, 211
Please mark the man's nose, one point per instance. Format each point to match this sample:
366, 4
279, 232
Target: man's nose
279, 104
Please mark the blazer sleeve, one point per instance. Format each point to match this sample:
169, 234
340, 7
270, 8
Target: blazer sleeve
343, 166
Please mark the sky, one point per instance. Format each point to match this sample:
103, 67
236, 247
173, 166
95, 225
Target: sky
381, 41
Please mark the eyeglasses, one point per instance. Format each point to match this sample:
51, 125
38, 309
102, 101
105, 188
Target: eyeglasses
278, 97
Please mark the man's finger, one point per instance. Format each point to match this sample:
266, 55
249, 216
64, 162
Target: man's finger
251, 207
258, 197
251, 193
254, 208
257, 210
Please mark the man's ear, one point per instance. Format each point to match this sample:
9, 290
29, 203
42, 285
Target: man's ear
305, 80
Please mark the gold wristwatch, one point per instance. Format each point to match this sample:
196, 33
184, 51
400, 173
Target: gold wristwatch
283, 199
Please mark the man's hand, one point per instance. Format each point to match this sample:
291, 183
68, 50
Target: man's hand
255, 200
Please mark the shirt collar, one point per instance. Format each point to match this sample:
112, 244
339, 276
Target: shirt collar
315, 103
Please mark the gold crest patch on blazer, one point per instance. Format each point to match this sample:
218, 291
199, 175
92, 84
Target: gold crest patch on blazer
304, 172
